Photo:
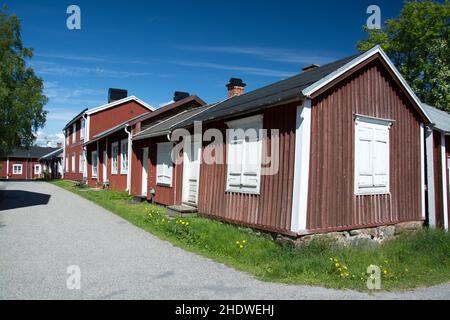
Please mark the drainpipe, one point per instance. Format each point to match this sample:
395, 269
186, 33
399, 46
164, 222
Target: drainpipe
7, 168
129, 158
84, 147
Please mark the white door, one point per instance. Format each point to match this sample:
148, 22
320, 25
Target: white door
144, 171
191, 172
105, 161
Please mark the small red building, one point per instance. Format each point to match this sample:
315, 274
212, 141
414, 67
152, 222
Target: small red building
91, 122
23, 163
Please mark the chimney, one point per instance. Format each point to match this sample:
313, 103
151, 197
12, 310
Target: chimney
59, 145
116, 94
310, 67
235, 87
180, 95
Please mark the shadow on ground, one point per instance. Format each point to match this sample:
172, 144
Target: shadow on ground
13, 199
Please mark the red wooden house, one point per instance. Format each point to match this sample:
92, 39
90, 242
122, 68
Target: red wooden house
91, 122
23, 163
438, 166
117, 164
348, 153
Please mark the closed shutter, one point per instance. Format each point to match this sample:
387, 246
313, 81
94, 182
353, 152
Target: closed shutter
235, 155
252, 164
164, 164
381, 158
364, 155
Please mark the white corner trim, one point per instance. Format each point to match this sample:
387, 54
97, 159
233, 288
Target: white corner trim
301, 167
422, 168
117, 102
7, 168
307, 92
429, 144
444, 182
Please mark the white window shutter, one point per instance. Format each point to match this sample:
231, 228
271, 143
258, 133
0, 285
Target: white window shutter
235, 156
164, 166
252, 165
381, 158
364, 155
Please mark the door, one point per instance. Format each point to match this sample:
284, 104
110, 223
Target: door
144, 171
191, 172
105, 161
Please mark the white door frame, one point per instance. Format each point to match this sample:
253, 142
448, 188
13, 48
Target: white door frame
144, 180
105, 166
191, 170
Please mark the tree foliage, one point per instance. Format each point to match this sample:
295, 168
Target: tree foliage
21, 92
418, 43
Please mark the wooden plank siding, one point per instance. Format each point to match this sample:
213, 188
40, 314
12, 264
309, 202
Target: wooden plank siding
332, 203
271, 209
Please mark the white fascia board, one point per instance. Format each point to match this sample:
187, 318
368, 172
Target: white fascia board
444, 181
422, 168
307, 92
117, 102
301, 168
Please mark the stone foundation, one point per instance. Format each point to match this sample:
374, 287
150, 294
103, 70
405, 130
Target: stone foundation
359, 237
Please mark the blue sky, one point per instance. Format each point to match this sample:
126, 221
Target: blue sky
153, 48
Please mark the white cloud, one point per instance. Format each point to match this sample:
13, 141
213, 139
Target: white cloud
270, 54
44, 139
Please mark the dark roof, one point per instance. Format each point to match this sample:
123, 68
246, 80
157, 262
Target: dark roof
275, 93
74, 119
440, 119
31, 152
58, 153
169, 107
167, 125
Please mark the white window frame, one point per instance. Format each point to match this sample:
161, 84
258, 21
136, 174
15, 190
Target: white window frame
249, 123
164, 166
67, 137
37, 166
382, 126
115, 158
73, 164
66, 169
17, 165
81, 163
124, 156
82, 129
74, 132
94, 169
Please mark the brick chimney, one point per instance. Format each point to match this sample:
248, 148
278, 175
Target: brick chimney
310, 67
235, 87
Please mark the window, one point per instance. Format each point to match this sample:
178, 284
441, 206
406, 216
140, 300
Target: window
73, 162
114, 160
244, 155
94, 164
74, 133
81, 163
82, 129
164, 164
124, 156
67, 136
37, 169
371, 155
66, 169
17, 169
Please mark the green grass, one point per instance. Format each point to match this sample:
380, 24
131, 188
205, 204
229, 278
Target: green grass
409, 261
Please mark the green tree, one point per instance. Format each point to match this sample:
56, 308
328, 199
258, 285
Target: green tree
21, 92
418, 44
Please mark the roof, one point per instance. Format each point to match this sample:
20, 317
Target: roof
166, 126
53, 154
439, 118
78, 116
169, 107
31, 152
296, 88
118, 102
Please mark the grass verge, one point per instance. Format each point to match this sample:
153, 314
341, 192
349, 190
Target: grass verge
409, 261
